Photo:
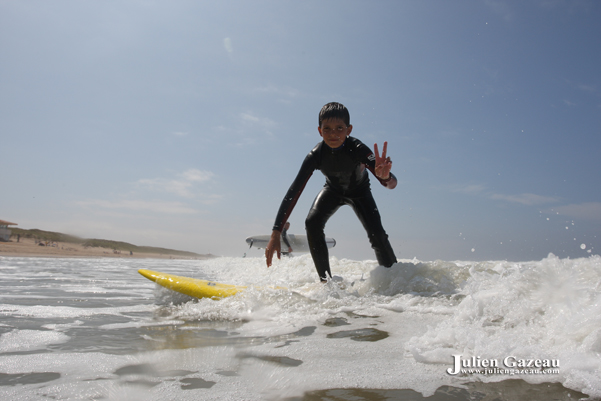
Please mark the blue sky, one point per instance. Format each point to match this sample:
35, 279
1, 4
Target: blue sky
182, 124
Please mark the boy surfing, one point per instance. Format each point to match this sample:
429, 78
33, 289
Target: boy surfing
343, 160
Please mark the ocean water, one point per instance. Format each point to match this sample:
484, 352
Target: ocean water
94, 329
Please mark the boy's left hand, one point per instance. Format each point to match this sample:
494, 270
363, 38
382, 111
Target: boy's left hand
273, 246
383, 164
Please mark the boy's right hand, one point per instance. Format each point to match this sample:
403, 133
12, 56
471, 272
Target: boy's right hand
273, 246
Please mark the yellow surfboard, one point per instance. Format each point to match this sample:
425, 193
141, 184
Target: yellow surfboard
192, 286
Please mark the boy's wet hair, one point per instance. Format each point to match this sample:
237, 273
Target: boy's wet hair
334, 110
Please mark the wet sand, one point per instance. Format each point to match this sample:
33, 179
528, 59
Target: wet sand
28, 247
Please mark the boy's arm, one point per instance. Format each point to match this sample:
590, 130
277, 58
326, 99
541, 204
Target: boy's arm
288, 203
294, 192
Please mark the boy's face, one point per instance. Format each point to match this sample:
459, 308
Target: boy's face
334, 132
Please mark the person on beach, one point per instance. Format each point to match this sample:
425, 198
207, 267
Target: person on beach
342, 159
285, 238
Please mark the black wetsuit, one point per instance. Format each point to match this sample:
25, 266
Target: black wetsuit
347, 183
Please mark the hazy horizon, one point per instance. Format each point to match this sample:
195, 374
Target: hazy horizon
183, 124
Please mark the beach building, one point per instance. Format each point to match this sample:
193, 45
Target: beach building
4, 230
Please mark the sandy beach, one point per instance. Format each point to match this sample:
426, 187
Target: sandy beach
28, 247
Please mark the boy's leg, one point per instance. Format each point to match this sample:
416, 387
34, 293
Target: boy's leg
324, 206
365, 208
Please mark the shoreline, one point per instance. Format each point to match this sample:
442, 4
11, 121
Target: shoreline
30, 248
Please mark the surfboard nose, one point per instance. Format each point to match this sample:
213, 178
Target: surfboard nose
149, 274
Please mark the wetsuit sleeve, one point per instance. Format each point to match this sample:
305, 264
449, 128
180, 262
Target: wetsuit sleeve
369, 159
296, 189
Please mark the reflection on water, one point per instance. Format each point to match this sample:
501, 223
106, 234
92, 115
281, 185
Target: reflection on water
508, 390
368, 334
27, 378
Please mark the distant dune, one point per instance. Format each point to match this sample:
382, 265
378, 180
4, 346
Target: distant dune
42, 243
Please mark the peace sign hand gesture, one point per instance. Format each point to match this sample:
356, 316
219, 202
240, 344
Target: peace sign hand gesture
383, 164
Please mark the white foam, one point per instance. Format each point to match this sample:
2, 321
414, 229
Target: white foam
429, 310
534, 310
550, 309
45, 311
28, 340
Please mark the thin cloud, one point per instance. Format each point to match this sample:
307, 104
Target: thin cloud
551, 3
139, 206
587, 210
182, 185
194, 175
227, 44
250, 124
473, 189
281, 91
568, 6
247, 129
500, 8
525, 199
211, 199
587, 88
263, 122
